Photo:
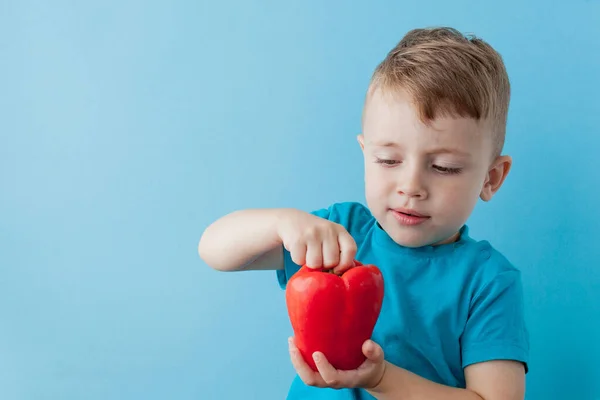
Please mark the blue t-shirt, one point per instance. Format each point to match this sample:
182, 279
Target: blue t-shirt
444, 307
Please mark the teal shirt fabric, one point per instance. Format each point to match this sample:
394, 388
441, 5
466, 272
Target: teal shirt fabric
445, 307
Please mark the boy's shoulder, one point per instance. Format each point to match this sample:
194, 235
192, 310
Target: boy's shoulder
485, 265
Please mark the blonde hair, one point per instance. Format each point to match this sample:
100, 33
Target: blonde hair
449, 74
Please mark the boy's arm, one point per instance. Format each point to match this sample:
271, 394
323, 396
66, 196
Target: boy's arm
497, 379
245, 239
490, 380
255, 239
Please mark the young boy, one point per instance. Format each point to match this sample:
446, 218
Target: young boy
451, 324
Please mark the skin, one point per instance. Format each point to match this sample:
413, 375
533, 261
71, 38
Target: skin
439, 169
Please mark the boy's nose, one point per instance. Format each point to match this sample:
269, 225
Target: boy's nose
411, 185
413, 192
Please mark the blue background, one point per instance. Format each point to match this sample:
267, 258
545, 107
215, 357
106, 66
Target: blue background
127, 127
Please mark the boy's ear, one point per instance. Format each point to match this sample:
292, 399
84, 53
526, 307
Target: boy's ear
361, 141
495, 177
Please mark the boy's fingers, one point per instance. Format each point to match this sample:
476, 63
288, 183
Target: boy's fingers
306, 374
314, 254
329, 374
331, 251
298, 253
347, 251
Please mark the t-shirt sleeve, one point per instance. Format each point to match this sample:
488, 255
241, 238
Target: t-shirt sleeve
496, 328
289, 266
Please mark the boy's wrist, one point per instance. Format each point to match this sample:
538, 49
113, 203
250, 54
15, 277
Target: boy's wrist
280, 216
375, 386
393, 378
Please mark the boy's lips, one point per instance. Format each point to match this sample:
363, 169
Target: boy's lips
409, 217
410, 212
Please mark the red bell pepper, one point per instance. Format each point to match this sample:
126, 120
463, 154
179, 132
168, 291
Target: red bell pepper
334, 314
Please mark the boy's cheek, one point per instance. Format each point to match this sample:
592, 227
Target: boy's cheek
377, 182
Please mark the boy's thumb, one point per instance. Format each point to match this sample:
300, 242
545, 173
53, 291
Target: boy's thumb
373, 351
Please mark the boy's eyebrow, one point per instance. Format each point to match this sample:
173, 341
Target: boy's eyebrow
386, 144
450, 150
441, 150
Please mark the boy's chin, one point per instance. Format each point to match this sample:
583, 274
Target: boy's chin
408, 239
412, 238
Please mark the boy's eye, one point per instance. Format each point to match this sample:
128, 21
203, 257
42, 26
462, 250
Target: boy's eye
386, 162
447, 170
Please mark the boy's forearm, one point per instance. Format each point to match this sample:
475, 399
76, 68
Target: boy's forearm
236, 239
400, 384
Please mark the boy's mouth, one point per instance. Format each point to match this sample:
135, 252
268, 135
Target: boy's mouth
409, 212
409, 217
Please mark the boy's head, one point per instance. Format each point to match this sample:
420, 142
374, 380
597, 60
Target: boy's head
433, 131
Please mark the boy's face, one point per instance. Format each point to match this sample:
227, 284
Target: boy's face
423, 181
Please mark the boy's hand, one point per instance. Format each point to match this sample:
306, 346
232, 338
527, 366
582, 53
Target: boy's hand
316, 242
367, 376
